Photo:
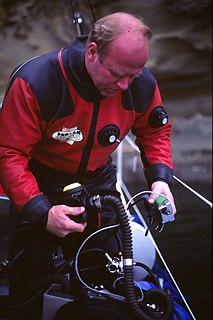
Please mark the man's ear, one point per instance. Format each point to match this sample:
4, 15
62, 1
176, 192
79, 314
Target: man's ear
92, 51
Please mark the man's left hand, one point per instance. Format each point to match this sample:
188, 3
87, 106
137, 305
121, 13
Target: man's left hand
161, 187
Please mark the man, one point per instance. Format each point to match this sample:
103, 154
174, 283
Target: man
63, 115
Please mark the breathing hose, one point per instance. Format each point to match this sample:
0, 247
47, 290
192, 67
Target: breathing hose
152, 296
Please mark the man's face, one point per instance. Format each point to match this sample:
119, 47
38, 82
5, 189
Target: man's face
119, 67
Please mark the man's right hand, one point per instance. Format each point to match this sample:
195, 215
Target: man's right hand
59, 222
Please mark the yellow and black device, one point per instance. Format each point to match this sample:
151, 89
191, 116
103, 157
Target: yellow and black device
76, 195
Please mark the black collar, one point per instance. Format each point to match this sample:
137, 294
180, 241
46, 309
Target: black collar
73, 57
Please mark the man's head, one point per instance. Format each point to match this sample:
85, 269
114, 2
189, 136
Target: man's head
117, 49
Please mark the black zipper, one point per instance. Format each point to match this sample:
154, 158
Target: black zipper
90, 140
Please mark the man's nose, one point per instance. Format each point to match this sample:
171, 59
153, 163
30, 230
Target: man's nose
123, 83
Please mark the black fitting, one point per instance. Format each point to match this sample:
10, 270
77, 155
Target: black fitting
158, 117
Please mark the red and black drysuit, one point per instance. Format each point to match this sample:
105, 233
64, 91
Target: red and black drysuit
54, 92
55, 121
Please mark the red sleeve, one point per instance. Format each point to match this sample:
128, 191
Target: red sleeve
154, 143
20, 124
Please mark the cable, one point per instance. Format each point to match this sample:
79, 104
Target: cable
68, 262
133, 145
76, 264
91, 8
136, 283
193, 191
152, 274
38, 289
138, 194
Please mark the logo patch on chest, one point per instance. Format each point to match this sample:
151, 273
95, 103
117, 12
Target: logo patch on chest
68, 135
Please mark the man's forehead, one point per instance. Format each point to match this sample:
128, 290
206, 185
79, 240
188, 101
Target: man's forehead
123, 65
129, 55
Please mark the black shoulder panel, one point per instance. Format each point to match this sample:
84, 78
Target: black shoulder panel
46, 78
140, 92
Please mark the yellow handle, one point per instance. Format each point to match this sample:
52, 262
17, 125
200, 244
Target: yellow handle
71, 186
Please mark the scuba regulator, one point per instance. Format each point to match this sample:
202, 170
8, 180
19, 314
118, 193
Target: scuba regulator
156, 303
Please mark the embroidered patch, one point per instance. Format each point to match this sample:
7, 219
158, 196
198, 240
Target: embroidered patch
68, 135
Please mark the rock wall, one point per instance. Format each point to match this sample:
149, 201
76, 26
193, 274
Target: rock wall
181, 44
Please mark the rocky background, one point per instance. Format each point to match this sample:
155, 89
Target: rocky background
181, 60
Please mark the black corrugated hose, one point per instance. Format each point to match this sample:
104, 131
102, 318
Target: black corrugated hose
140, 310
